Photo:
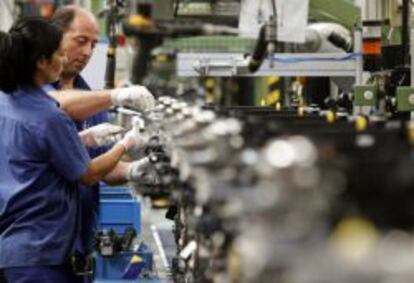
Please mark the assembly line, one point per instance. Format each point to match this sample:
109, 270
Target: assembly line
206, 141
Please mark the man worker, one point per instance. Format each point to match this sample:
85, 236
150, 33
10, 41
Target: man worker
87, 109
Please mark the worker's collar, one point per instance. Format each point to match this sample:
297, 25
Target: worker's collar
78, 83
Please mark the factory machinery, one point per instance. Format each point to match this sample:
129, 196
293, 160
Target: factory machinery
259, 195
292, 191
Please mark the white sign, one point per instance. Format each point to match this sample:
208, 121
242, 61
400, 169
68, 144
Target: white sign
292, 18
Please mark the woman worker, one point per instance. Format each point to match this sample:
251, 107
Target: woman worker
42, 159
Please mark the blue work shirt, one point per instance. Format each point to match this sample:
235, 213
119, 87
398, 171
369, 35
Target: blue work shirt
42, 159
89, 194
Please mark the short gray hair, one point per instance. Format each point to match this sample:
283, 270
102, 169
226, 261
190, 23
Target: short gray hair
64, 16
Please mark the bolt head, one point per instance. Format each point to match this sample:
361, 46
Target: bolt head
411, 99
369, 95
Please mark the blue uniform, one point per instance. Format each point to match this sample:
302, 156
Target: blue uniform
41, 274
89, 194
42, 159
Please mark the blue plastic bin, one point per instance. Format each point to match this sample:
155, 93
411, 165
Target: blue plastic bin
118, 210
114, 192
114, 268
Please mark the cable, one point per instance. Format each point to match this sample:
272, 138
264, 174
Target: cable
320, 59
176, 7
274, 7
405, 39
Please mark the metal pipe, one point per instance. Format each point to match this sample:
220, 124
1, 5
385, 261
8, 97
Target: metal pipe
359, 60
110, 70
372, 10
274, 7
405, 31
359, 64
412, 57
412, 66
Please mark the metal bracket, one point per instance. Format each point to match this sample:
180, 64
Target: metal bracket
405, 99
365, 95
206, 66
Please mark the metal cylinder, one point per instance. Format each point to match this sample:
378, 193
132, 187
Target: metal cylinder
372, 19
373, 10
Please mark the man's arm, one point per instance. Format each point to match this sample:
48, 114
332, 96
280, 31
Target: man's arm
80, 105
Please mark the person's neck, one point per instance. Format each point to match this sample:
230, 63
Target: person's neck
39, 80
67, 82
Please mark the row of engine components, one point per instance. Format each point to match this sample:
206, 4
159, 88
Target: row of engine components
264, 196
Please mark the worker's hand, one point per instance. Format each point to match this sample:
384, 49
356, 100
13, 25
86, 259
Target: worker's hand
102, 134
134, 140
137, 97
137, 169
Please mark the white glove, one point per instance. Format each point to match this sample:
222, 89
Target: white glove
134, 140
137, 169
102, 134
137, 97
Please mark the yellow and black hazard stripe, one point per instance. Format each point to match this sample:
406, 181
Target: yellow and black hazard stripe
210, 90
273, 95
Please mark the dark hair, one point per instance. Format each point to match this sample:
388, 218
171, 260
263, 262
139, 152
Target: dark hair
28, 41
64, 17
